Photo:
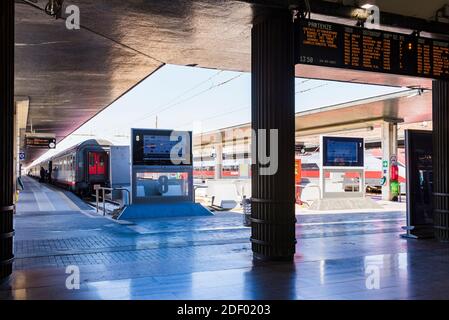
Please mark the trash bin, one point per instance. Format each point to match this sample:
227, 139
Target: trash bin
246, 205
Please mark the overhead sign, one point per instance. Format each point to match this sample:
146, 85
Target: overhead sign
340, 46
40, 142
22, 156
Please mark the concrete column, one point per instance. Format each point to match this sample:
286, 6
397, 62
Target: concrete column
6, 136
273, 107
440, 159
218, 161
389, 148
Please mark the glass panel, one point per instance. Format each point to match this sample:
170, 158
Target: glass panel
342, 182
92, 168
162, 184
100, 166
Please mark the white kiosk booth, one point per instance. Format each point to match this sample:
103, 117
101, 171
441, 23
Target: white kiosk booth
341, 156
342, 175
162, 175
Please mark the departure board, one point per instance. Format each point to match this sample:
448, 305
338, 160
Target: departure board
333, 45
157, 147
40, 142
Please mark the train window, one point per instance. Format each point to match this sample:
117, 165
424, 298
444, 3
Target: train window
100, 166
92, 167
157, 184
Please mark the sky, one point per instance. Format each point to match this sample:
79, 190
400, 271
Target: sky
201, 100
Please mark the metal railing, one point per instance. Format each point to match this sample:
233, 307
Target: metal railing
103, 190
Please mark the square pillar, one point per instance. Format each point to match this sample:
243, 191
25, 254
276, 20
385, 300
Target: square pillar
273, 110
6, 136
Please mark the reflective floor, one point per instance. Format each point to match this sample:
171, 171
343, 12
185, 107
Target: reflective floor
339, 256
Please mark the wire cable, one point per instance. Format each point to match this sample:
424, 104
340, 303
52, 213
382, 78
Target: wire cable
178, 96
311, 89
216, 116
147, 115
168, 107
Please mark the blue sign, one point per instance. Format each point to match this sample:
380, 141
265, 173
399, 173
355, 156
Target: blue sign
22, 156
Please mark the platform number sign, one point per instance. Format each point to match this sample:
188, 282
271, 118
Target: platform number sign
22, 156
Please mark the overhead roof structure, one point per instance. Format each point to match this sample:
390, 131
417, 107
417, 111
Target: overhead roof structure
407, 107
71, 75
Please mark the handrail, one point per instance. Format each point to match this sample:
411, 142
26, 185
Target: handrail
104, 189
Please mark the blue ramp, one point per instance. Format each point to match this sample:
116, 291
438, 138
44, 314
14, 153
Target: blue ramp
164, 210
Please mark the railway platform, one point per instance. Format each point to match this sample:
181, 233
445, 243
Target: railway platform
210, 257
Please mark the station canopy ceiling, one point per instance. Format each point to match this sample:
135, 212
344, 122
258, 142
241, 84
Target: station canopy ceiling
71, 75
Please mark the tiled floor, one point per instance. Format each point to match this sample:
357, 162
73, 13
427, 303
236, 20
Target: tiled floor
338, 256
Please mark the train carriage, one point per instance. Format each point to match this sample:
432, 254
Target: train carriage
78, 168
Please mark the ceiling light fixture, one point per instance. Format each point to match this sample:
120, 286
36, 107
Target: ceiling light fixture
54, 8
367, 6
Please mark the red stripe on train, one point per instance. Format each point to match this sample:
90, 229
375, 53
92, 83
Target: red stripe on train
304, 174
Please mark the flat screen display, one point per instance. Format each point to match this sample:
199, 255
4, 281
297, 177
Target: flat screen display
343, 152
340, 46
157, 147
161, 147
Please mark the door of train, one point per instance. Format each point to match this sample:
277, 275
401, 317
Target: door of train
97, 163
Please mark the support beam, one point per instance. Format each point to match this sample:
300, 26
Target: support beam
273, 107
6, 136
440, 117
218, 161
389, 148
